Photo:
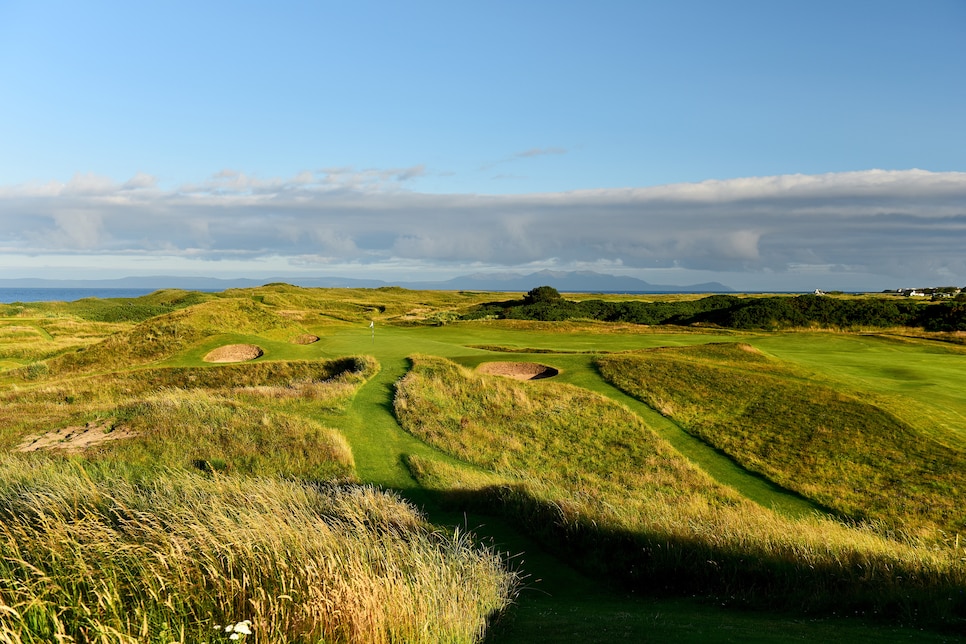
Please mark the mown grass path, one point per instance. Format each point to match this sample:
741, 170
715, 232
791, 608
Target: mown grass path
580, 371
718, 465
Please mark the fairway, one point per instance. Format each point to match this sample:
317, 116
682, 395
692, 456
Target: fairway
917, 379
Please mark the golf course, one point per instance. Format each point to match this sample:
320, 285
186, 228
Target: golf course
289, 464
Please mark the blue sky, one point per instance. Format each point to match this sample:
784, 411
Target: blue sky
429, 139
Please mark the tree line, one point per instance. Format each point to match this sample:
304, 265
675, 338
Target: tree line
774, 312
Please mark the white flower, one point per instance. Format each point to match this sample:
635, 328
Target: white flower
238, 630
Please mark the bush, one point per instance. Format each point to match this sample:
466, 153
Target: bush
542, 294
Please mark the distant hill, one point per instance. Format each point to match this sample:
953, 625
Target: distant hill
573, 282
564, 281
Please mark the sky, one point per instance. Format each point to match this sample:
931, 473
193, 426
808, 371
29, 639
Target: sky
766, 145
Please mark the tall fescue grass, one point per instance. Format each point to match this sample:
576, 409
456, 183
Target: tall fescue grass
587, 477
197, 429
86, 556
829, 445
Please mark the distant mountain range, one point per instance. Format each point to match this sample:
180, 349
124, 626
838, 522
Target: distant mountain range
564, 281
567, 281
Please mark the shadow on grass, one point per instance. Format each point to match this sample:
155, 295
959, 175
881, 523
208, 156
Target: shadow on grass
660, 565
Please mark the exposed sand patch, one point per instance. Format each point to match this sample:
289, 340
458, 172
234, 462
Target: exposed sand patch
518, 370
234, 353
75, 439
305, 338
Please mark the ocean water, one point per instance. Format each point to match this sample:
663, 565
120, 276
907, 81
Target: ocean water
9, 295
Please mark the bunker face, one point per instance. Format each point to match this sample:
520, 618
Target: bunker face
234, 353
305, 338
74, 439
518, 370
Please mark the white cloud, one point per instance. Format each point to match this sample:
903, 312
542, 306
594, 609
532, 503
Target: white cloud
892, 224
140, 181
75, 229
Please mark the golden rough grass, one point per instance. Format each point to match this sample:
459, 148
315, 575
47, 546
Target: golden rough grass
88, 557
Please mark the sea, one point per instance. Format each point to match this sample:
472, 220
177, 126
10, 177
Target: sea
11, 295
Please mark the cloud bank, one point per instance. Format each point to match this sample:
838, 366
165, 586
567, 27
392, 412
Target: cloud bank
898, 226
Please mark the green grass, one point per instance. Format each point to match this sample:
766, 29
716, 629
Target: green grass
918, 380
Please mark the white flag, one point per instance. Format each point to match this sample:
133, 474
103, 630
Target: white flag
372, 324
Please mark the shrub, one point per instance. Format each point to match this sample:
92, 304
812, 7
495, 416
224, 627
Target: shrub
542, 294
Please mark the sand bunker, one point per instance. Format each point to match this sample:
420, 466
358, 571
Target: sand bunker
518, 370
75, 439
305, 338
234, 353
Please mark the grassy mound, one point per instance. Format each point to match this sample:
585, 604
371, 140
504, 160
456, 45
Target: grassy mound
179, 556
828, 445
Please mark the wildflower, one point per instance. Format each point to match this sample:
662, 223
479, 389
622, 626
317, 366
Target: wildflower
238, 630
